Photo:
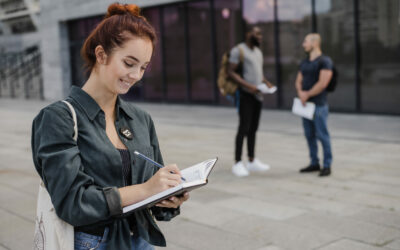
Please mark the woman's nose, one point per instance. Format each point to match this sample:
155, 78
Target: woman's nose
134, 74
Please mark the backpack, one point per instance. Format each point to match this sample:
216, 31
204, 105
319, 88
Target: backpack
333, 81
226, 85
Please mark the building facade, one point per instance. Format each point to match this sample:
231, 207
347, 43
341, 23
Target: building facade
19, 23
361, 36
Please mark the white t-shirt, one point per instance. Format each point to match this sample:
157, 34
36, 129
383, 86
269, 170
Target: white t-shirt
252, 64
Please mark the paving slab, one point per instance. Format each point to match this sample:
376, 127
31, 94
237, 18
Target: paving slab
271, 247
379, 217
208, 214
280, 234
348, 228
195, 236
357, 207
395, 245
15, 232
259, 208
346, 244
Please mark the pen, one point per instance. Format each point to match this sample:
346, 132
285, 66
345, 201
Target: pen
150, 160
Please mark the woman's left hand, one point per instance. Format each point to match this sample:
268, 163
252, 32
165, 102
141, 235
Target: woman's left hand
174, 201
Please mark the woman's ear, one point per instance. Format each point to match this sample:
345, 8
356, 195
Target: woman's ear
101, 56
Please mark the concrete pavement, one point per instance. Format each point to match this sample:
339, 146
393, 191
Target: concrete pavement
358, 207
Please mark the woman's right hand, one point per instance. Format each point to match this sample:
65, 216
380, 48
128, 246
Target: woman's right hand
165, 178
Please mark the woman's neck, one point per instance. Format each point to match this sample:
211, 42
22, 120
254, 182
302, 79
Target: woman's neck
104, 98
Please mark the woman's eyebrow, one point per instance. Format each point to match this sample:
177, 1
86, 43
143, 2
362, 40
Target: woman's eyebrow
137, 60
133, 58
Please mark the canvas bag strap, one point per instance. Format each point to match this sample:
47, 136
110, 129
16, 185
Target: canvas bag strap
71, 108
74, 118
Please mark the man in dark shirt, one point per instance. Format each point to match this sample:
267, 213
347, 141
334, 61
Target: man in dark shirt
312, 79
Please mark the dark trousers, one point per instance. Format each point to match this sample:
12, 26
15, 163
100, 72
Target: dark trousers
249, 117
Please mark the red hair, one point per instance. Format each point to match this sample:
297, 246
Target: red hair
111, 31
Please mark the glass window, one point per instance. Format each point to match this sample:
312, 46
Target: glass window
294, 24
201, 52
229, 30
335, 23
261, 13
152, 82
174, 45
380, 55
78, 31
77, 65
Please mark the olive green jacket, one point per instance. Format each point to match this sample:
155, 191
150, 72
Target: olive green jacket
83, 177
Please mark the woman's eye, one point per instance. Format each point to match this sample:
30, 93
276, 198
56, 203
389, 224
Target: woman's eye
144, 68
128, 64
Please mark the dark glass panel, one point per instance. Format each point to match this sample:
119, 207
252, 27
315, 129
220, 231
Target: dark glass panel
294, 24
380, 55
201, 52
152, 81
335, 23
174, 44
229, 30
261, 13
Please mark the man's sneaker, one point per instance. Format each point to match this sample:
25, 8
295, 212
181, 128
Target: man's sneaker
240, 170
310, 168
325, 172
258, 166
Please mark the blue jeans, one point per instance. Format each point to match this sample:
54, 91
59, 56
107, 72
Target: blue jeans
318, 129
84, 241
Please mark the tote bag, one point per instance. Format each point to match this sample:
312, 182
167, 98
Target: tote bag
52, 233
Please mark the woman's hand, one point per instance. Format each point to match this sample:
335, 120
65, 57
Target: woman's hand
165, 178
174, 201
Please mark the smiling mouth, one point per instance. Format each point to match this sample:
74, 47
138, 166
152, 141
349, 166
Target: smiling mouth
126, 84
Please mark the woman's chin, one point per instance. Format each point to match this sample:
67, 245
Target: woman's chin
122, 90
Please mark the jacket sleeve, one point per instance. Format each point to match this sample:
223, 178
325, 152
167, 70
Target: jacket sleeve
75, 197
161, 214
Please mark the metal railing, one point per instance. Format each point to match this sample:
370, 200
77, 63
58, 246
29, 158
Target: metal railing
21, 74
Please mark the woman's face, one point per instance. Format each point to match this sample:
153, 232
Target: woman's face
126, 65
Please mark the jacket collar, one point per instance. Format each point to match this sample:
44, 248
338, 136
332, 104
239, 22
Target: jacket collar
90, 106
124, 106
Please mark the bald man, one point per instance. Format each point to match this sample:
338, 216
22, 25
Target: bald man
312, 79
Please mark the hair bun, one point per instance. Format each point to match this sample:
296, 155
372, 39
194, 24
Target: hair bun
121, 9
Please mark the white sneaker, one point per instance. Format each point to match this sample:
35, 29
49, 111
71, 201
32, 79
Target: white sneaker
240, 170
258, 166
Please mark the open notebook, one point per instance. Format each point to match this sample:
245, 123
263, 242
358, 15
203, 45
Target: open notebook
196, 176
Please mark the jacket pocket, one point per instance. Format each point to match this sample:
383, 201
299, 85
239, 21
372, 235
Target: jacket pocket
143, 169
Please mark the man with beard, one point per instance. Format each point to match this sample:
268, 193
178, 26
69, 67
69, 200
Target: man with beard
312, 80
250, 100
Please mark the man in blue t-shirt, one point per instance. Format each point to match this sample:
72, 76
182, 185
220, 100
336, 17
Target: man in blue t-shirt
312, 79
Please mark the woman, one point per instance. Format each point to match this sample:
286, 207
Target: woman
91, 179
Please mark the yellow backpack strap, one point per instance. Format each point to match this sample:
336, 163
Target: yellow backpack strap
241, 55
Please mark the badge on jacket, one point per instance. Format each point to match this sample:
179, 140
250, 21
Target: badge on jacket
125, 132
